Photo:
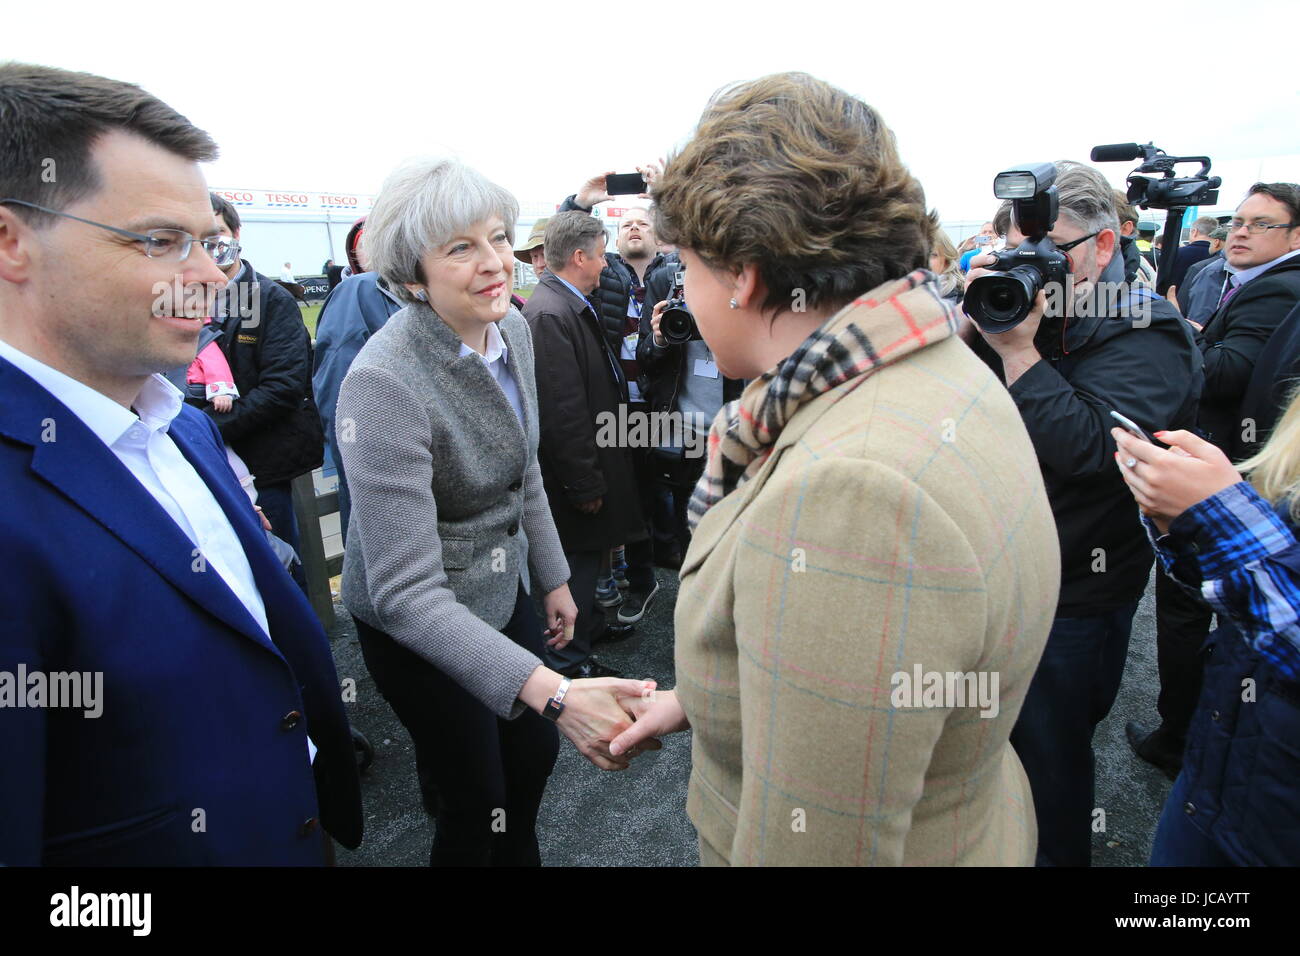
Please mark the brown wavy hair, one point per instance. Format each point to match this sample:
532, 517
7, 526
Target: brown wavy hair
802, 180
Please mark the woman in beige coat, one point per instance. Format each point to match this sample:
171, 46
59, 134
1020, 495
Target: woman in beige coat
874, 566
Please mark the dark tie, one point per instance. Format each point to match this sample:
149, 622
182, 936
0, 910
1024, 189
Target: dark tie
1229, 290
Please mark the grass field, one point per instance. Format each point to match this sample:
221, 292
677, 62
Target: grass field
309, 317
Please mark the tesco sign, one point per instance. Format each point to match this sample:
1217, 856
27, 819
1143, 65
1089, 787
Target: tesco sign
312, 202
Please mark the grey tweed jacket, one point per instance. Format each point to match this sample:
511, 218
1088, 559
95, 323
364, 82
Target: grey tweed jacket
448, 510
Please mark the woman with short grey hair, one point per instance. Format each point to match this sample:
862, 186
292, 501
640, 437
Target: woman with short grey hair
450, 529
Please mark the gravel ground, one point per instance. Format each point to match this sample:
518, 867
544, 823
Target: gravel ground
638, 817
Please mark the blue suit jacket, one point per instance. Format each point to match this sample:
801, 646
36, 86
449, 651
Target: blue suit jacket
200, 753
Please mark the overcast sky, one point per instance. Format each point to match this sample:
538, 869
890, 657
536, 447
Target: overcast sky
329, 97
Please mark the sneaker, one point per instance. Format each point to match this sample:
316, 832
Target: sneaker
608, 594
635, 605
620, 567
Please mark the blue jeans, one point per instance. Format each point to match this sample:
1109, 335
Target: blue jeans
1177, 842
1071, 693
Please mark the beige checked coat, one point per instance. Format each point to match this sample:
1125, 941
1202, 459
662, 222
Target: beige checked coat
900, 522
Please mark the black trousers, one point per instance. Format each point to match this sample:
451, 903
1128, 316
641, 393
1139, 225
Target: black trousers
1182, 624
685, 480
485, 775
584, 568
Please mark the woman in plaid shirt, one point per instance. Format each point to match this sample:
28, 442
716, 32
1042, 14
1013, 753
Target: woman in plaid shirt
1236, 544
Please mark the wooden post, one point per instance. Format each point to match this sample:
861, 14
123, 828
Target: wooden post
311, 548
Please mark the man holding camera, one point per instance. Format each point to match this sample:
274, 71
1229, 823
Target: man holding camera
1102, 348
682, 379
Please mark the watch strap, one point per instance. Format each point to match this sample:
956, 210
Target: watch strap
555, 705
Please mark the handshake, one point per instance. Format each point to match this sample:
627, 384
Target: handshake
611, 720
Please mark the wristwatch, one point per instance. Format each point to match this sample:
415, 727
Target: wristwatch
555, 706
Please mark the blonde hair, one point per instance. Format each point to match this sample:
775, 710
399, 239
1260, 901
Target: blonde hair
951, 279
1275, 469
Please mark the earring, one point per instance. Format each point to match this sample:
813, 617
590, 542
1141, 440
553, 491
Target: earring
734, 304
422, 295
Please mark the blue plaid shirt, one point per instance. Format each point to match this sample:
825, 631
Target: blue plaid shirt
1237, 553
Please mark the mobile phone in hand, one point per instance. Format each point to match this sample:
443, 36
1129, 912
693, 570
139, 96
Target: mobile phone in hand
625, 184
1132, 427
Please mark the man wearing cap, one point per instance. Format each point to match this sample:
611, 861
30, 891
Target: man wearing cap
1197, 248
1146, 242
533, 251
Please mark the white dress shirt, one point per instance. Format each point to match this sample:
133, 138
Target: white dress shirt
495, 359
141, 443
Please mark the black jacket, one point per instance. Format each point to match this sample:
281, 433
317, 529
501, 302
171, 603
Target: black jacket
273, 426
1272, 385
580, 386
1132, 257
1186, 257
1150, 373
1233, 341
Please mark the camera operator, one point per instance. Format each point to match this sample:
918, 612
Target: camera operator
1065, 374
683, 379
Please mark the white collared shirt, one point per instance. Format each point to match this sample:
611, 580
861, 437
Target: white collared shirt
495, 359
141, 443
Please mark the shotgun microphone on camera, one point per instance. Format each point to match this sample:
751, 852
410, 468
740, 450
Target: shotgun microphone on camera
1116, 153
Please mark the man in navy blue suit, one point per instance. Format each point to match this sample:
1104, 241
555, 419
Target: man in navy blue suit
132, 561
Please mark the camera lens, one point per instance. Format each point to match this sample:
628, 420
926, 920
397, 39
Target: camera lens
1002, 301
677, 325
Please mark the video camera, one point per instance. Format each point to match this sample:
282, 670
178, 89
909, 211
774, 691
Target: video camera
1170, 192
676, 323
997, 303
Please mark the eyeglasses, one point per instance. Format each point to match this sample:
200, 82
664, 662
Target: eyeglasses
173, 245
1067, 246
1259, 228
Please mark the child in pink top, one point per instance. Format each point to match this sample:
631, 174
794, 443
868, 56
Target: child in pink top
211, 370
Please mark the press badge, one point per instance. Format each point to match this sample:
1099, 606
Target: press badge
706, 368
629, 344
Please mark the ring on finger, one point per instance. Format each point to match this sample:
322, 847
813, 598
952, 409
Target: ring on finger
1130, 462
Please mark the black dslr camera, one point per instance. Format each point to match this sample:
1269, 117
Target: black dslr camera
997, 303
676, 323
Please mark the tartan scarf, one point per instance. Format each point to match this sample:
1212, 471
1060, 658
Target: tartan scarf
877, 329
